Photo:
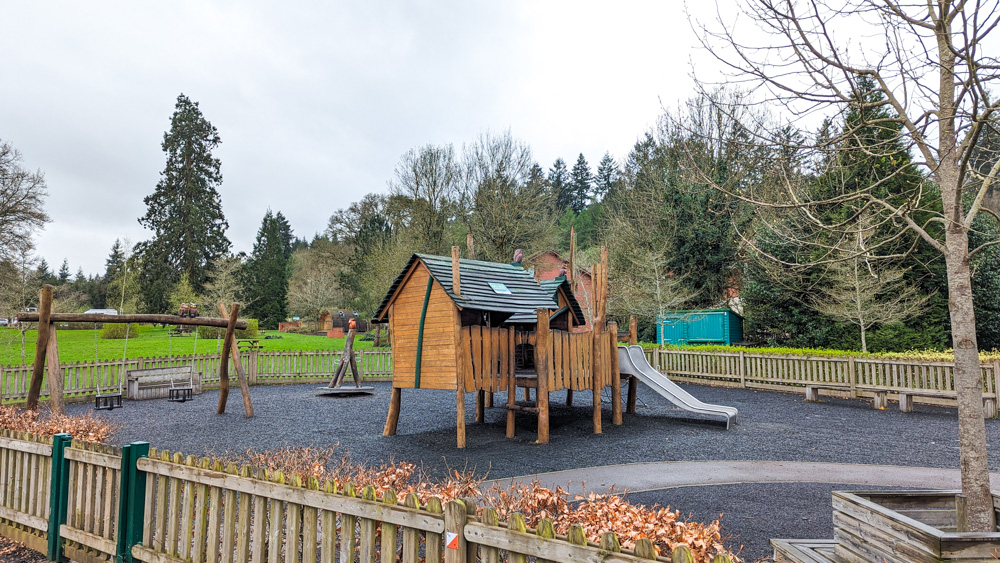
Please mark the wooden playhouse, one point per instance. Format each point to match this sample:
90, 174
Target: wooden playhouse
483, 327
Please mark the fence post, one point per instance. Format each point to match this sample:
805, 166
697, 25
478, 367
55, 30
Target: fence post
743, 375
455, 546
852, 372
252, 376
131, 501
58, 493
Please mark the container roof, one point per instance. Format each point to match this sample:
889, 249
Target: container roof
519, 292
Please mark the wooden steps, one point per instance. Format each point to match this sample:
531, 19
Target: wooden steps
804, 551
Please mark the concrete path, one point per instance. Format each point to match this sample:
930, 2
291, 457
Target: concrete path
637, 477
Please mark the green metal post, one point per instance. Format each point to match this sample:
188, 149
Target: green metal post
131, 501
58, 493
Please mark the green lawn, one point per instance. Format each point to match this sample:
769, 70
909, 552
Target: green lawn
78, 345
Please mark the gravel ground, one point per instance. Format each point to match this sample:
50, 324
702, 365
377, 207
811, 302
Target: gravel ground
772, 426
13, 552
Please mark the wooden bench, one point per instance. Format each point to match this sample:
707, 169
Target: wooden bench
176, 383
905, 398
812, 389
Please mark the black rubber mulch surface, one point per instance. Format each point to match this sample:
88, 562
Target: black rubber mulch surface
13, 552
772, 426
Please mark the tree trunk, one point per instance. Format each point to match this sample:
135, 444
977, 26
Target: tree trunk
968, 384
864, 343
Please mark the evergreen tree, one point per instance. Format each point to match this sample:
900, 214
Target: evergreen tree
185, 210
287, 238
581, 184
43, 274
607, 177
265, 275
64, 272
559, 187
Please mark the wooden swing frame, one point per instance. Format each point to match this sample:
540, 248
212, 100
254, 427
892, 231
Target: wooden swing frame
47, 348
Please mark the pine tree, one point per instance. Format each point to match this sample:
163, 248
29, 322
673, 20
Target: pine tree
185, 210
64, 272
558, 181
43, 274
607, 178
581, 184
265, 275
287, 238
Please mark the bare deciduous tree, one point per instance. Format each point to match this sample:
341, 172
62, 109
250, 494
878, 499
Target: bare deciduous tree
428, 179
22, 198
932, 67
507, 208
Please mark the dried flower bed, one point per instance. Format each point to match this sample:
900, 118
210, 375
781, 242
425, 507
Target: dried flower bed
86, 428
597, 513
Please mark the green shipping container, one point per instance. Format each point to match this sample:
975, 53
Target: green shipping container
704, 326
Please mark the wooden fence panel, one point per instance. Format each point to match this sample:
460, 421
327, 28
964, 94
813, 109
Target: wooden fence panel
92, 507
25, 476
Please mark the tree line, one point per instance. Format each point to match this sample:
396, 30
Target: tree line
675, 240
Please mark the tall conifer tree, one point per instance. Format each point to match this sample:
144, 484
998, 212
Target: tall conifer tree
185, 210
581, 184
266, 272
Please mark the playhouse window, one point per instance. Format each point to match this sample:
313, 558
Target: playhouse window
499, 288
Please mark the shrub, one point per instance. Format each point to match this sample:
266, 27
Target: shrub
116, 331
86, 428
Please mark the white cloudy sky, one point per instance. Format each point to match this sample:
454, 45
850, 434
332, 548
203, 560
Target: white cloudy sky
315, 101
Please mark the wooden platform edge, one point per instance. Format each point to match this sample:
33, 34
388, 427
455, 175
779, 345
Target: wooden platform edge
804, 551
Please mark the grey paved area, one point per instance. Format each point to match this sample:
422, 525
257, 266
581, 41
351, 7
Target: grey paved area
772, 427
654, 476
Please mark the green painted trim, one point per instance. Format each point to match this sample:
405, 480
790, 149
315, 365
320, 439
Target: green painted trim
58, 494
420, 332
131, 501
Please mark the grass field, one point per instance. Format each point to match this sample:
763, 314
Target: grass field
77, 346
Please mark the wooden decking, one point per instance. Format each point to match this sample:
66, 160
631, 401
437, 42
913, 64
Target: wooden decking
804, 551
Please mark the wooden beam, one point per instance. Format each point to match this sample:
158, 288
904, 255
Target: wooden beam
633, 331
459, 379
392, 419
41, 345
616, 376
134, 319
570, 271
240, 372
542, 347
456, 281
227, 345
511, 382
595, 331
55, 378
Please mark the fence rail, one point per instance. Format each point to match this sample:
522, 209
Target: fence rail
932, 382
88, 379
142, 505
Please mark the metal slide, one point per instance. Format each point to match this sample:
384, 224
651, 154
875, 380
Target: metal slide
632, 361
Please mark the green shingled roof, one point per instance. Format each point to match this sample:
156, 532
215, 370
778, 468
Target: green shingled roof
525, 296
551, 287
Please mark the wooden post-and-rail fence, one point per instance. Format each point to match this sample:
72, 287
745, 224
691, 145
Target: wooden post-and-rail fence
908, 380
81, 381
92, 503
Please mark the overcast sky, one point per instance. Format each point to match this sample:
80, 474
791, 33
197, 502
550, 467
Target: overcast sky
315, 101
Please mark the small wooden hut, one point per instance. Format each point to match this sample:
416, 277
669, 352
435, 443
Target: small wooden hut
483, 327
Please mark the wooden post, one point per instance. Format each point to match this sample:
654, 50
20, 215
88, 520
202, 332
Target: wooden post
41, 346
240, 372
511, 383
600, 296
55, 374
455, 517
743, 375
852, 373
616, 376
633, 331
570, 271
480, 405
459, 379
227, 345
456, 281
392, 420
542, 346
